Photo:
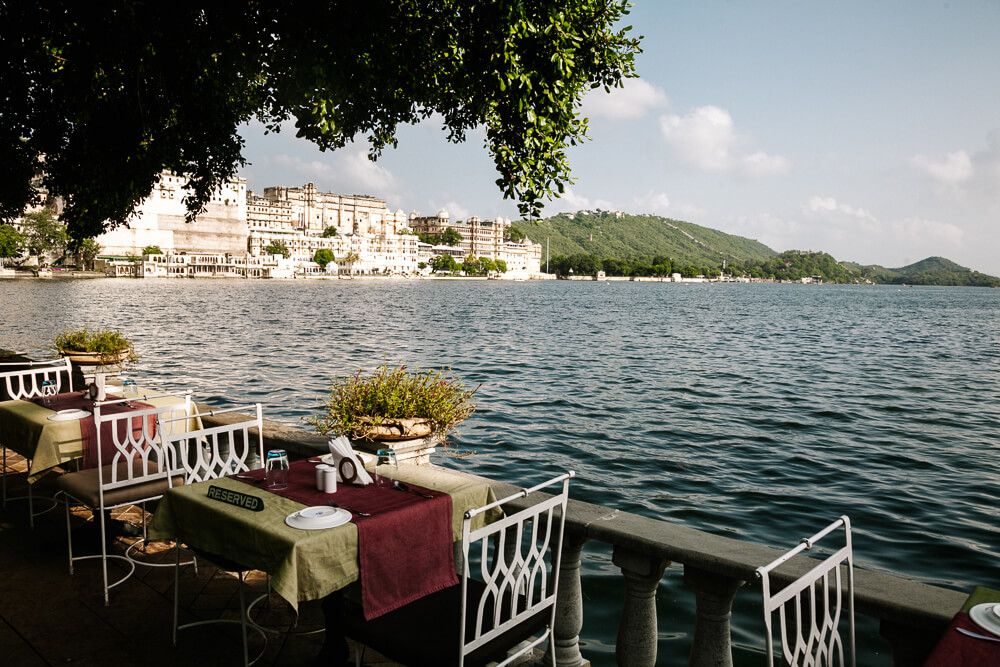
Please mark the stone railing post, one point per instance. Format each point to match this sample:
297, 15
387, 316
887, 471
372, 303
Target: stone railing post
713, 608
569, 606
637, 633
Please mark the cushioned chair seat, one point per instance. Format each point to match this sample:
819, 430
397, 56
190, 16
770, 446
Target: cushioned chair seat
425, 632
85, 485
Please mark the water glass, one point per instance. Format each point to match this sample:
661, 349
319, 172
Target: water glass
277, 469
385, 467
129, 390
49, 390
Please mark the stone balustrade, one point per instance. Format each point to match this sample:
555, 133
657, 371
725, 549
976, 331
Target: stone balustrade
911, 615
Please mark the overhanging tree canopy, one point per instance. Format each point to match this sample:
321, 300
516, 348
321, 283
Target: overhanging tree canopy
109, 94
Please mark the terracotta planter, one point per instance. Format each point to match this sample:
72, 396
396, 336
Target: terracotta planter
93, 358
391, 430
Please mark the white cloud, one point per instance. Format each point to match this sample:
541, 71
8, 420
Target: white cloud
634, 100
348, 169
706, 138
657, 203
923, 231
570, 201
955, 168
829, 204
702, 138
762, 164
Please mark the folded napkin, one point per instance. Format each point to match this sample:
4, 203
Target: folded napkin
340, 448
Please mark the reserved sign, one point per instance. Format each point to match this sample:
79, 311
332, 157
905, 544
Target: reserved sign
243, 500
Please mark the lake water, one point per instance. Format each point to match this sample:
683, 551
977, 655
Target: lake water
755, 411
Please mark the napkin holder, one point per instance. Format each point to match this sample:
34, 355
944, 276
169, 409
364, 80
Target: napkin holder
96, 391
349, 468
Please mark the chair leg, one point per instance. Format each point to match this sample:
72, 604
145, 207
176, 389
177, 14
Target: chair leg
177, 588
104, 555
31, 508
69, 534
4, 481
243, 622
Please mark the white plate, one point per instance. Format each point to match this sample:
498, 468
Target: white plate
67, 415
318, 518
985, 616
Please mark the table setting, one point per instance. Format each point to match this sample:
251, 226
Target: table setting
395, 538
973, 636
56, 429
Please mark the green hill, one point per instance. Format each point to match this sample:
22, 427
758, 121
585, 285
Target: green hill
641, 237
930, 271
641, 245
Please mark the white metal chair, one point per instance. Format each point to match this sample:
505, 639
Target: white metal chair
23, 381
501, 612
210, 453
812, 608
142, 467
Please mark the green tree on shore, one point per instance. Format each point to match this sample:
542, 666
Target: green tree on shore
277, 248
44, 235
11, 243
323, 256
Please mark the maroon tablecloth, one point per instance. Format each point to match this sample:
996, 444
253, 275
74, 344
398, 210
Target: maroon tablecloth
78, 400
957, 650
404, 548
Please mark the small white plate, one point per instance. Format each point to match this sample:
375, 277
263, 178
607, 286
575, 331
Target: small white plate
318, 518
985, 616
68, 415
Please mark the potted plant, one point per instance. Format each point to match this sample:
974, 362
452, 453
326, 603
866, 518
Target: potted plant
104, 347
393, 404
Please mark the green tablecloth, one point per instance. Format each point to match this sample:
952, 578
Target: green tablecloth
303, 564
26, 429
980, 595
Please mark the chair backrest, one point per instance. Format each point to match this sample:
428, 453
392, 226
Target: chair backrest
816, 603
216, 451
24, 379
131, 442
518, 560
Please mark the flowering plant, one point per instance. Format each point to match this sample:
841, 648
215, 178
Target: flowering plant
360, 405
108, 345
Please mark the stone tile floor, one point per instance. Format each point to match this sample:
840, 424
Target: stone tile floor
49, 617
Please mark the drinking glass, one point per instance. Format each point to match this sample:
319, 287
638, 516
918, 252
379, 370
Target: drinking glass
48, 391
277, 469
385, 467
129, 390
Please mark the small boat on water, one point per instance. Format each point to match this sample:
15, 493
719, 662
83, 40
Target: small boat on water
44, 272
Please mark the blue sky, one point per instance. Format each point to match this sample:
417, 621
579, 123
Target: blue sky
869, 130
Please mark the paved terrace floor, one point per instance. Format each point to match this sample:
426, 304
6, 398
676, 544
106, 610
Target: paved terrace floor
49, 617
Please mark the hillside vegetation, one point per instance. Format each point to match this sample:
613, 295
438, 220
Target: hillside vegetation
585, 242
635, 237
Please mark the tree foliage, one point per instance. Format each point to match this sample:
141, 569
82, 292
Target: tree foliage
151, 250
43, 234
11, 242
329, 231
110, 94
277, 248
323, 256
444, 263
513, 234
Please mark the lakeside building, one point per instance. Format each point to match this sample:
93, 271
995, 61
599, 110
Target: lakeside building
483, 238
234, 233
160, 221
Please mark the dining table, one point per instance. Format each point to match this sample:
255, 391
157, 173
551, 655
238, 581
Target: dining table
27, 427
398, 542
958, 648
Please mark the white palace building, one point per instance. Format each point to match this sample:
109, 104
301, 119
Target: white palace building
231, 237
